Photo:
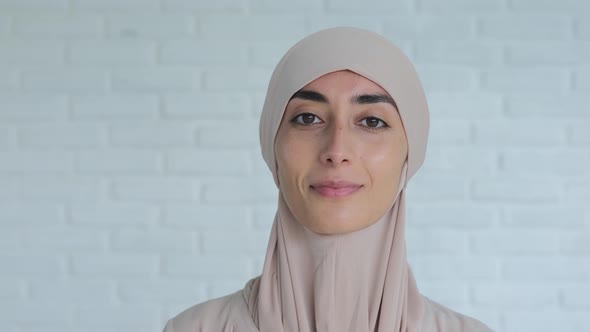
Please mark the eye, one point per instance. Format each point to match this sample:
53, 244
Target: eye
306, 118
373, 122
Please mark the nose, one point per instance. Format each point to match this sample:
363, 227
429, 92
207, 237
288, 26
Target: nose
335, 149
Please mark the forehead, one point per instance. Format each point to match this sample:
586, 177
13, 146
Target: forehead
344, 81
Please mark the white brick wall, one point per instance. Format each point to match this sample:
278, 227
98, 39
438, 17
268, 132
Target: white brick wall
131, 184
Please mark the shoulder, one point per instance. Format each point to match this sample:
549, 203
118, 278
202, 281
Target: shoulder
211, 315
441, 318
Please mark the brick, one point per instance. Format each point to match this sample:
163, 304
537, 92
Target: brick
64, 187
517, 296
267, 54
205, 267
525, 27
263, 216
449, 188
34, 5
119, 161
112, 53
450, 294
576, 244
32, 265
239, 190
153, 80
264, 27
117, 265
207, 106
548, 53
114, 107
428, 27
204, 53
44, 315
21, 162
575, 298
5, 23
514, 191
515, 243
579, 134
543, 162
455, 216
149, 188
33, 107
11, 289
242, 134
152, 134
114, 5
208, 162
28, 215
436, 78
523, 133
252, 243
142, 241
433, 6
113, 215
204, 6
583, 29
9, 79
460, 161
425, 242
72, 291
7, 137
450, 132
148, 26
282, 6
234, 80
10, 239
57, 26
371, 6
542, 105
567, 6
436, 267
62, 135
220, 288
205, 217
19, 52
543, 270
160, 290
533, 320
64, 240
127, 316
539, 217
526, 80
65, 80
465, 105
582, 81
465, 53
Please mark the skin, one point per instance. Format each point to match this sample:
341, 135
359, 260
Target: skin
361, 141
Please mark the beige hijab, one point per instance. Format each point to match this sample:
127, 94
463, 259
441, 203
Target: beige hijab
355, 282
358, 281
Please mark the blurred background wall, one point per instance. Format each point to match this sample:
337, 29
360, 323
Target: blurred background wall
132, 187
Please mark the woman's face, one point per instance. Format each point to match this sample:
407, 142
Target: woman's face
340, 149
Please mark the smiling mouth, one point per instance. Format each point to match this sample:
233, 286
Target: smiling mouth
336, 192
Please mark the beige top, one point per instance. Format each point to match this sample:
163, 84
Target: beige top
358, 281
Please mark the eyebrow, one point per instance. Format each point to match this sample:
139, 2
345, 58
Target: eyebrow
358, 99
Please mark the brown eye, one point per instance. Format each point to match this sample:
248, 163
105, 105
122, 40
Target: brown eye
373, 122
306, 118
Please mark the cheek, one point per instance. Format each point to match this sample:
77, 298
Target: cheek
293, 155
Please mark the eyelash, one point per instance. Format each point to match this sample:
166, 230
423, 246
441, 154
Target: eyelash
384, 126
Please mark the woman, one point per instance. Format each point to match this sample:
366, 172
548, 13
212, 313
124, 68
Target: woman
343, 129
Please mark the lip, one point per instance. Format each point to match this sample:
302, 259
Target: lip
336, 188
